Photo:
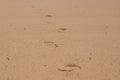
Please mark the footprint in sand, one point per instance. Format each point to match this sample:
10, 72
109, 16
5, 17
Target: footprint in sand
72, 71
52, 44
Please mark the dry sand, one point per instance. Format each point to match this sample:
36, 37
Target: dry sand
59, 39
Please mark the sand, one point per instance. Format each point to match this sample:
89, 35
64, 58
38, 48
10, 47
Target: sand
60, 40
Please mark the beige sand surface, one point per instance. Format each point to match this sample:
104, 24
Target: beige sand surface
59, 39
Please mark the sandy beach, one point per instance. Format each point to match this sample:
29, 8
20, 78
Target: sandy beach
60, 40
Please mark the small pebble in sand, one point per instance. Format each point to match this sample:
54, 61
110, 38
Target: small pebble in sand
8, 58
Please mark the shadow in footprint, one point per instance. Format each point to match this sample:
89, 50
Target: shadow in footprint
49, 16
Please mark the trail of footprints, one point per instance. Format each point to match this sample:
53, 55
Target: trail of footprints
69, 69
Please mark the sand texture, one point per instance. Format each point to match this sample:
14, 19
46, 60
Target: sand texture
59, 39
